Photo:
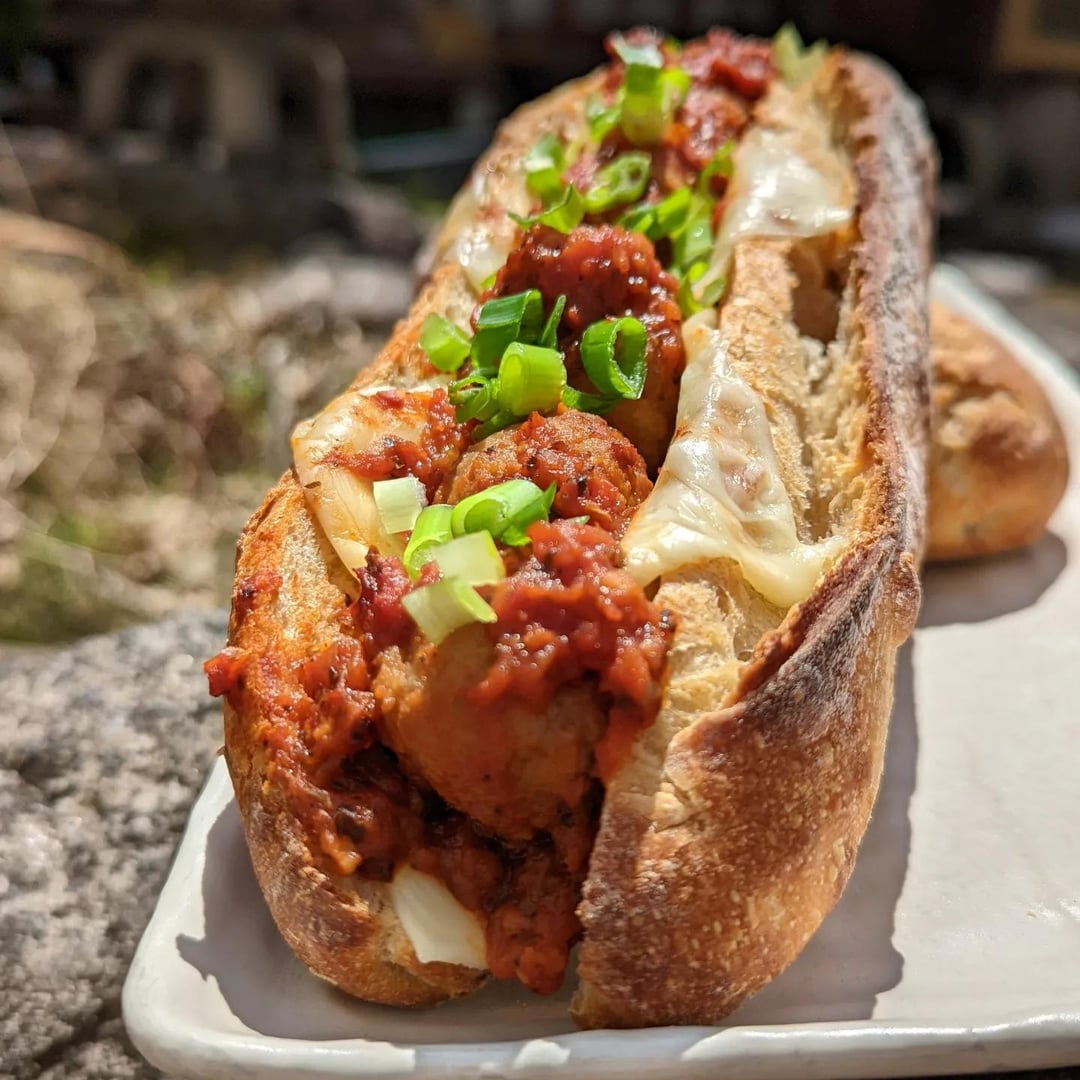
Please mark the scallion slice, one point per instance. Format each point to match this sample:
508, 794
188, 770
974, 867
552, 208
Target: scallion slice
708, 294
644, 54
531, 379
473, 397
505, 510
639, 218
592, 403
445, 606
550, 334
445, 343
472, 558
613, 355
691, 297
722, 163
623, 180
694, 240
431, 529
544, 166
565, 214
603, 118
504, 320
658, 220
652, 97
399, 502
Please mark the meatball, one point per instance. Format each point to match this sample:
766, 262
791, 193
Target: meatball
509, 722
607, 272
596, 469
514, 768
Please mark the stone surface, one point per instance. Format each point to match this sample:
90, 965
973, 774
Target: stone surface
103, 747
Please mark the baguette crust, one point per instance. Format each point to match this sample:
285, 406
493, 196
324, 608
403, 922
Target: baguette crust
733, 832
998, 461
732, 842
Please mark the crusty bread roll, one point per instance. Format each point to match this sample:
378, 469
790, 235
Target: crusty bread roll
730, 824
998, 462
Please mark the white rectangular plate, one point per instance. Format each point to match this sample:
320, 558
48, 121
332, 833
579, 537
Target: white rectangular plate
956, 946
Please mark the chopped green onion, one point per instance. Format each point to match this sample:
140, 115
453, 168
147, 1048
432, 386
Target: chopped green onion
564, 215
432, 528
688, 304
503, 320
472, 558
721, 164
549, 335
399, 502
505, 510
794, 61
602, 118
658, 220
445, 606
591, 403
652, 97
613, 355
708, 295
531, 379
688, 296
695, 240
474, 398
489, 281
671, 213
639, 218
544, 166
445, 343
623, 181
645, 54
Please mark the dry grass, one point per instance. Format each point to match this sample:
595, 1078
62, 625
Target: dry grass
140, 422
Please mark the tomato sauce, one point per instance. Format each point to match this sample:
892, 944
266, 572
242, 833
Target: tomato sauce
603, 271
429, 459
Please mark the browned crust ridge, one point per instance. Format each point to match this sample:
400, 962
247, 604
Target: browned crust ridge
692, 905
681, 921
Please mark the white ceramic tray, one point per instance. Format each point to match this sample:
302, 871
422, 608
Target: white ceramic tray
956, 946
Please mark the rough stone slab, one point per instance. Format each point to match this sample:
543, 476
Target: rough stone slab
103, 747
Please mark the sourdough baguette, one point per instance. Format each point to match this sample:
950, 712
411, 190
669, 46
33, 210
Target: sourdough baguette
730, 827
998, 462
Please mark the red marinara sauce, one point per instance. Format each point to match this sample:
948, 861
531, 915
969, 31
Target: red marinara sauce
429, 458
605, 272
728, 74
570, 610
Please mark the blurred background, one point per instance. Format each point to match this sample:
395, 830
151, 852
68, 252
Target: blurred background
209, 214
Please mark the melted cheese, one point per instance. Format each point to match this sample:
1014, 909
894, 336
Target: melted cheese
788, 178
483, 231
440, 929
719, 492
342, 502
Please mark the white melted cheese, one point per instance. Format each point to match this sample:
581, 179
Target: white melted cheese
787, 179
719, 492
342, 502
483, 230
440, 929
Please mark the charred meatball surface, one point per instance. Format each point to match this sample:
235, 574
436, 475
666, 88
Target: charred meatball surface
596, 470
